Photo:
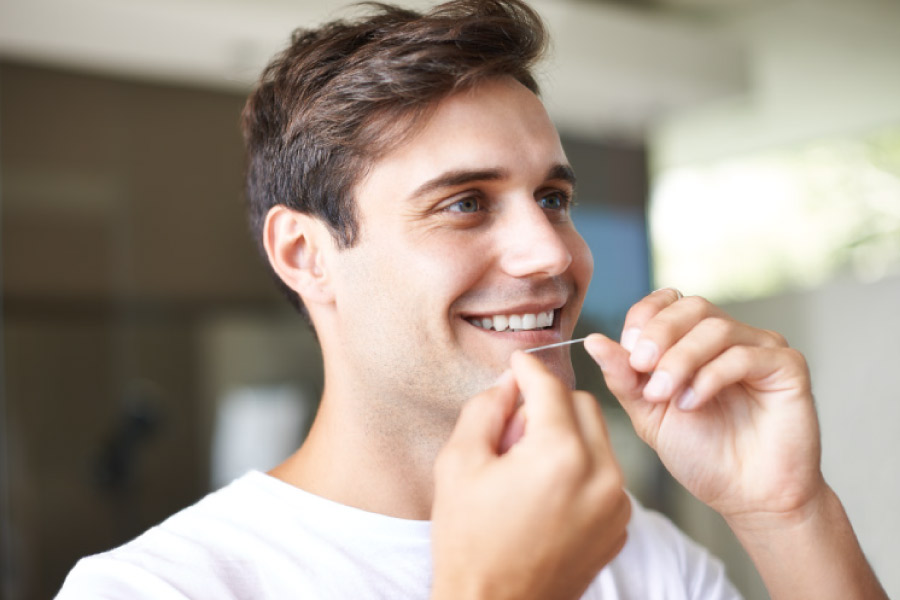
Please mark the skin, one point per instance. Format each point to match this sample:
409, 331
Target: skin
560, 478
469, 217
414, 422
734, 421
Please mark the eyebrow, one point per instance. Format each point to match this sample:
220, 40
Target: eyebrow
463, 176
563, 173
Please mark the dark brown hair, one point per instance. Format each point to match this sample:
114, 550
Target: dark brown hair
345, 93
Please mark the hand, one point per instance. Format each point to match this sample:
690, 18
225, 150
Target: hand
727, 407
540, 520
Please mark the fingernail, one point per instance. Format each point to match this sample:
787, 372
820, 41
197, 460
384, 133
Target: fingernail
644, 355
659, 387
630, 337
678, 294
687, 400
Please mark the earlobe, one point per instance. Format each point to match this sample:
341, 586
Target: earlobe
296, 245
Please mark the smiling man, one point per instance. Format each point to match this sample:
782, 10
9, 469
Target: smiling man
413, 199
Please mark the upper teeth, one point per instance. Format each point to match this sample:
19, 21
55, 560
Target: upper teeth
515, 322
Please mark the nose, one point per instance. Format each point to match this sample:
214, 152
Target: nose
533, 245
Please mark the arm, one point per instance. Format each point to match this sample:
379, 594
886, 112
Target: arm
813, 554
540, 520
729, 410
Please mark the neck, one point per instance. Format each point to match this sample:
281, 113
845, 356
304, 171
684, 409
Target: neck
369, 454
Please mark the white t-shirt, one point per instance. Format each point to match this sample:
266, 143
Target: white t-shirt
262, 538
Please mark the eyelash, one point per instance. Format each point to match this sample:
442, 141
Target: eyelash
565, 199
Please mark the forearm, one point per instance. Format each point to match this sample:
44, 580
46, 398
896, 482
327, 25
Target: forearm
813, 555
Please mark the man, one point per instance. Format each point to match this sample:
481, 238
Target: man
413, 199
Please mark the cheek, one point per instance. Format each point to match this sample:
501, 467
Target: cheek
448, 266
406, 283
582, 261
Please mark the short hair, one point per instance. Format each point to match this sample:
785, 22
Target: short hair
344, 94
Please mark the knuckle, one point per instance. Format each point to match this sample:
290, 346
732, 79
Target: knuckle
614, 480
676, 364
776, 338
721, 327
680, 362
797, 358
647, 308
570, 461
609, 487
617, 479
697, 304
640, 313
742, 354
620, 509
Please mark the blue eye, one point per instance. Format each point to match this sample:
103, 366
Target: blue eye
466, 205
554, 201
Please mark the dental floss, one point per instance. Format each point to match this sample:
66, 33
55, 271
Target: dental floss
556, 345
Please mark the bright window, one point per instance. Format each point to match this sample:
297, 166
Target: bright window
757, 225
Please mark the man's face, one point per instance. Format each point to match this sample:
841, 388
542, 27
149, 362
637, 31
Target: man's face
466, 222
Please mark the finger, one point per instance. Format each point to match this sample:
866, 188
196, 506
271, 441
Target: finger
514, 430
547, 399
707, 340
626, 385
624, 382
644, 310
482, 421
593, 426
761, 369
666, 327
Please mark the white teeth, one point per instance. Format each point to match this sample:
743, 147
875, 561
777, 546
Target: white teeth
545, 319
521, 322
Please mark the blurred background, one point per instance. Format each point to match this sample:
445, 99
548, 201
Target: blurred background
744, 150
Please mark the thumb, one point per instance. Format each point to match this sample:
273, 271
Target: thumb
483, 419
625, 383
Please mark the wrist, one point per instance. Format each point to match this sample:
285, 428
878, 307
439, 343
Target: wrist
808, 552
787, 515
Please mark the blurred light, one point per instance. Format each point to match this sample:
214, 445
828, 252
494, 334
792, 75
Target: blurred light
756, 225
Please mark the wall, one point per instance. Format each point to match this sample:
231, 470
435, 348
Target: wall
818, 68
123, 228
850, 334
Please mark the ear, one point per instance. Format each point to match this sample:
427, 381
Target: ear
297, 245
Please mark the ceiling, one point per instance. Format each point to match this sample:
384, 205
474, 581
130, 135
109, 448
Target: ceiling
616, 66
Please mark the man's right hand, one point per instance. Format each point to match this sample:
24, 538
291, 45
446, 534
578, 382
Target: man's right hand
540, 520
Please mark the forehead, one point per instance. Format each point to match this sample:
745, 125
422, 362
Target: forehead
498, 125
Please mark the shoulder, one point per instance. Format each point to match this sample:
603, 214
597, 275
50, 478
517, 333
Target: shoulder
187, 555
